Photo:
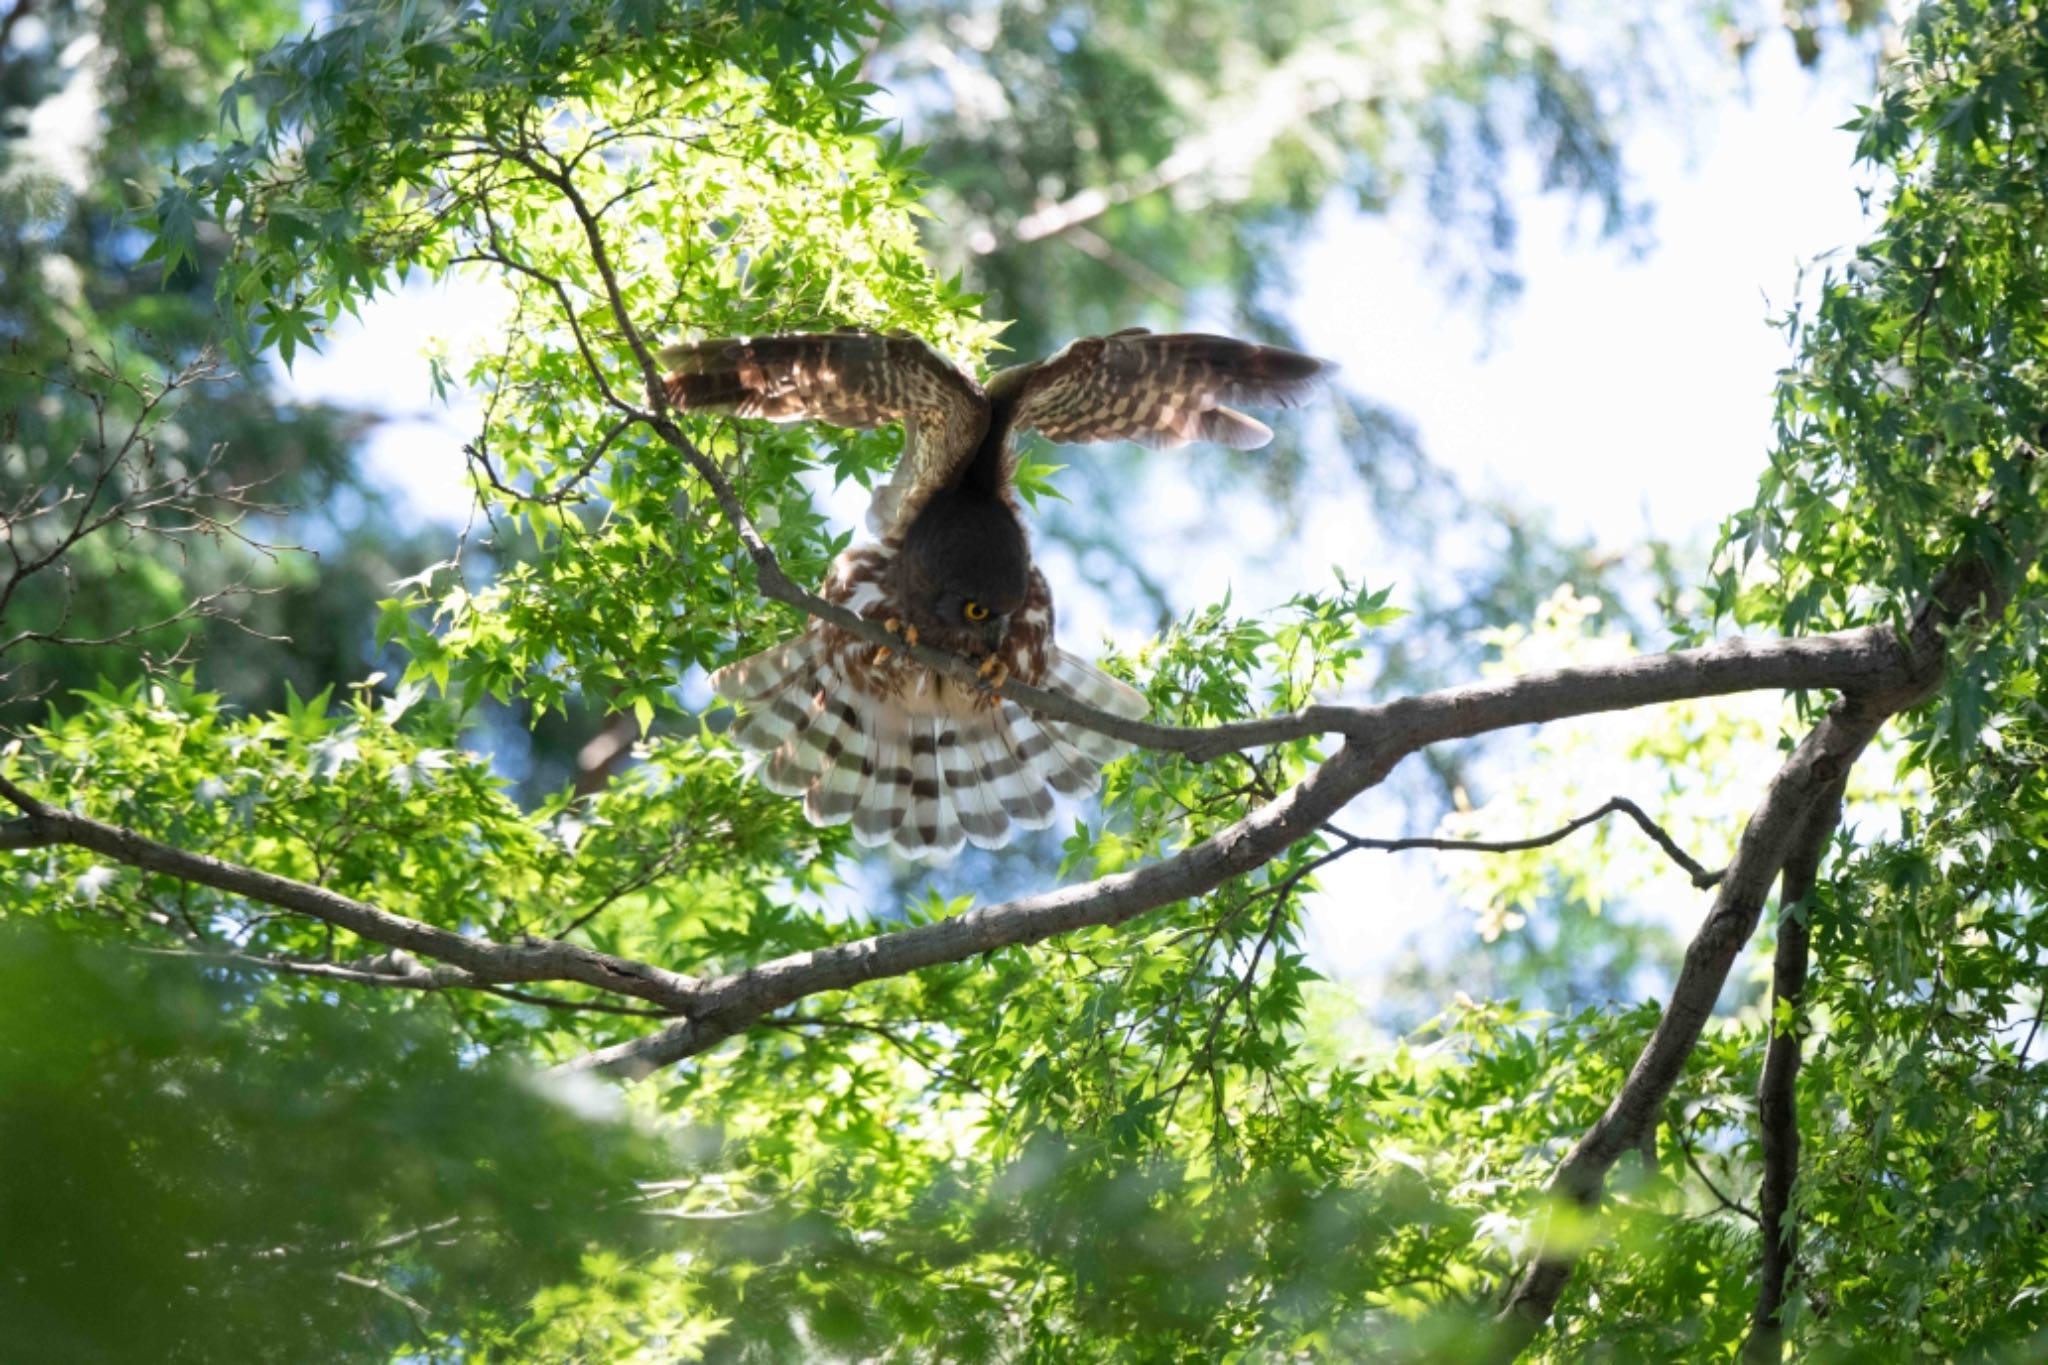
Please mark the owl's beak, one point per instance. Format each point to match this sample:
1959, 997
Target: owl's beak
994, 631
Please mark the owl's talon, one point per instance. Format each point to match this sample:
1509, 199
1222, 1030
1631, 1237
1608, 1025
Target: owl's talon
893, 625
910, 635
993, 672
882, 652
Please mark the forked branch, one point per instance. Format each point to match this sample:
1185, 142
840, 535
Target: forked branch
1787, 832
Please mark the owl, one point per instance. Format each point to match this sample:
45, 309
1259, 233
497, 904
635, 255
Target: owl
860, 732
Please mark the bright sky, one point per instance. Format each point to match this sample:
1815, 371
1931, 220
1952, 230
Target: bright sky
1623, 395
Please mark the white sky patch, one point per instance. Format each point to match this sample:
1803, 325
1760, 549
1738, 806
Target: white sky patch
1625, 396
64, 130
382, 364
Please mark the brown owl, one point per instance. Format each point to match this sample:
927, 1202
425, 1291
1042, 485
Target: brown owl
911, 758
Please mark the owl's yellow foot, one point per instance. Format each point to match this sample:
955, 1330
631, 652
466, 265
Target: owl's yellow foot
993, 674
894, 625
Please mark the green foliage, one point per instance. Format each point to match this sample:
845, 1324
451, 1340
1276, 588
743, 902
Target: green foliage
196, 1170
1918, 401
98, 99
689, 174
372, 798
1926, 1197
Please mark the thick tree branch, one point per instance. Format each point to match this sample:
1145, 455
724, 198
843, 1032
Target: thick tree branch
1863, 661
1795, 810
731, 1003
489, 963
1869, 663
25, 833
1777, 1105
1811, 779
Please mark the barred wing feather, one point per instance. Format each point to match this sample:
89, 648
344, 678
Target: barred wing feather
848, 379
1161, 390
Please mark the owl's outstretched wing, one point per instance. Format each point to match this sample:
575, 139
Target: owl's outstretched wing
1159, 390
849, 379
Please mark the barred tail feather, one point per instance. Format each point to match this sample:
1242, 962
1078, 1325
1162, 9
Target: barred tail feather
932, 822
983, 820
805, 755
1006, 783
771, 670
887, 798
778, 687
1086, 683
1045, 756
920, 773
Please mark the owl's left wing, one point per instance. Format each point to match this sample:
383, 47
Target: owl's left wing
1159, 390
846, 378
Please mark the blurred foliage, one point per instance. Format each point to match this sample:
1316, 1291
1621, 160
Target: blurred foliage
1162, 1140
96, 100
1099, 163
197, 1170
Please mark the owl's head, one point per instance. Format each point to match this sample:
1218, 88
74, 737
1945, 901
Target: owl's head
962, 572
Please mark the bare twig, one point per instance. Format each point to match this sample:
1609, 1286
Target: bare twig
916, 1052
400, 970
117, 484
413, 1306
1735, 1206
1701, 878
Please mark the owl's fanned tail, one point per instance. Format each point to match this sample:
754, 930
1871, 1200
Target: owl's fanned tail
925, 770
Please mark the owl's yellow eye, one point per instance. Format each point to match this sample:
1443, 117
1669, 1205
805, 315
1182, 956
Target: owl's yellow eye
974, 611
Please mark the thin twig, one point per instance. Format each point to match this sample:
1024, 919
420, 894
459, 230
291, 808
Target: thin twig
1692, 1160
1701, 878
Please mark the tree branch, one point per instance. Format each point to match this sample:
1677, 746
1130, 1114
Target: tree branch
1794, 806
1692, 1159
1392, 732
1701, 878
1378, 737
488, 962
1777, 1103
399, 970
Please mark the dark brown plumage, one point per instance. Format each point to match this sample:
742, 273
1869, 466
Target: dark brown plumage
909, 757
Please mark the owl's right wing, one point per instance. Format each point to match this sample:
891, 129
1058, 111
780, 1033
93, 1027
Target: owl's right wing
848, 379
1159, 390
